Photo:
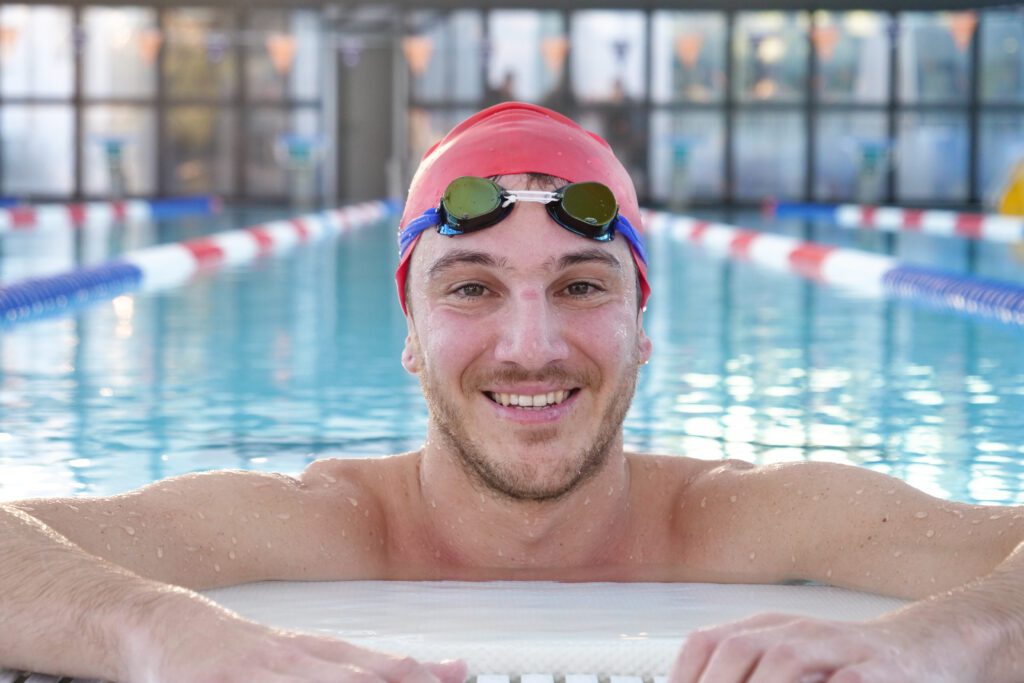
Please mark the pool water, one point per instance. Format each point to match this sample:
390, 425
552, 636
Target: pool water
271, 366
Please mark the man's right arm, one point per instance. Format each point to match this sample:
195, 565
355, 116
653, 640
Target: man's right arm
66, 610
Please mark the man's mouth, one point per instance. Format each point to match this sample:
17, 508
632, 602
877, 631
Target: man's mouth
531, 401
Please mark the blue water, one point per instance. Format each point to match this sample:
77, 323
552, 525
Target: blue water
297, 357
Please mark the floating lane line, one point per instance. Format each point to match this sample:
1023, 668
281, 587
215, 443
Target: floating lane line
28, 218
972, 226
164, 266
866, 273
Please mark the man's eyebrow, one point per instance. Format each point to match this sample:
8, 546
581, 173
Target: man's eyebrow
587, 256
460, 257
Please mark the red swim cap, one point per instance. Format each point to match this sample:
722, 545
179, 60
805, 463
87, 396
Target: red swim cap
511, 138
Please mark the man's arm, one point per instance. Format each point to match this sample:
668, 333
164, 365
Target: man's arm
86, 593
854, 528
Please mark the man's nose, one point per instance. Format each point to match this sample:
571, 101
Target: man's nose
532, 333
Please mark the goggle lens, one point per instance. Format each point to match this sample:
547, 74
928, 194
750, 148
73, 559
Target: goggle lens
591, 204
467, 198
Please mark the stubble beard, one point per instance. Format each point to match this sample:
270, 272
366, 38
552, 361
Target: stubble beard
519, 481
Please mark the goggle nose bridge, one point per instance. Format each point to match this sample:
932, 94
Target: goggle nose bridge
539, 196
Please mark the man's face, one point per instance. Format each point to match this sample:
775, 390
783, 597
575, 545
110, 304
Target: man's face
526, 313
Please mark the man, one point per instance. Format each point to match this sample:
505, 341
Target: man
525, 311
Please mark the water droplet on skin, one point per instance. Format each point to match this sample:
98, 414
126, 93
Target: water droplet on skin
752, 556
70, 507
269, 545
231, 554
433, 504
920, 515
191, 548
344, 534
159, 552
858, 492
256, 515
975, 521
366, 513
732, 499
995, 517
216, 567
890, 492
586, 501
129, 530
329, 478
108, 546
929, 533
200, 515
897, 553
284, 515
828, 574
353, 502
816, 497
611, 490
792, 558
501, 553
704, 502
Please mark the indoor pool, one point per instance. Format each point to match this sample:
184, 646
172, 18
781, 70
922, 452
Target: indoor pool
296, 357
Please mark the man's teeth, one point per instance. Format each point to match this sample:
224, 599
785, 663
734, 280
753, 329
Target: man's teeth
524, 401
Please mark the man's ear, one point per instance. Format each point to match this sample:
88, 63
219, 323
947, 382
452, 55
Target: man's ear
410, 357
644, 347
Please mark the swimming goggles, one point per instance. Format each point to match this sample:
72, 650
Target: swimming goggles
469, 203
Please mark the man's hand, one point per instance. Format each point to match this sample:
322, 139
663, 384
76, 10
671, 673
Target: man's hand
210, 645
773, 648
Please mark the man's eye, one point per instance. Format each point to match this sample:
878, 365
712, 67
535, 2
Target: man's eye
471, 290
581, 289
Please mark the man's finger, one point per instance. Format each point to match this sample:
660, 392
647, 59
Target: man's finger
449, 671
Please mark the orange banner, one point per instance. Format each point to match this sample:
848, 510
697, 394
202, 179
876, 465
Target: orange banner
8, 38
961, 27
825, 39
554, 50
281, 48
688, 47
418, 50
148, 42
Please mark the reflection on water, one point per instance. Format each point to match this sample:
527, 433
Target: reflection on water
296, 358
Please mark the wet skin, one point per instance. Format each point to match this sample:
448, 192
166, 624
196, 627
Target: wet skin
506, 492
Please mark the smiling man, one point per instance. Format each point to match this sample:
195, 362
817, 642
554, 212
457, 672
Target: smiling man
523, 277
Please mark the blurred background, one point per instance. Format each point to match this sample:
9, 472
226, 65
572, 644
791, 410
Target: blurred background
332, 102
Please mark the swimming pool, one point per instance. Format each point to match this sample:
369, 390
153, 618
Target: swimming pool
270, 366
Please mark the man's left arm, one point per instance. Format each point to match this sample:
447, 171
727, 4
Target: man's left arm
854, 528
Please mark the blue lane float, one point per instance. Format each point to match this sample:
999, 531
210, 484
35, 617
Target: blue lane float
868, 274
163, 266
971, 295
47, 296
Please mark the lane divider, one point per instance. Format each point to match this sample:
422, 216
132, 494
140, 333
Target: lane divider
866, 273
24, 218
168, 265
972, 226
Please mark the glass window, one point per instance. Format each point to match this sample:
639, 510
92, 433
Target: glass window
852, 157
527, 56
427, 127
688, 57
199, 153
1002, 149
1002, 56
36, 58
266, 172
120, 51
608, 55
624, 127
133, 170
852, 50
199, 59
283, 61
770, 51
931, 157
445, 52
933, 63
38, 149
686, 156
769, 155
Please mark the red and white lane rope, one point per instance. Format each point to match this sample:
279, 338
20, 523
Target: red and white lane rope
974, 226
28, 218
